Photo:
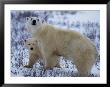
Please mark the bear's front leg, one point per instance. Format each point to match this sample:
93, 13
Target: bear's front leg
32, 60
49, 55
51, 61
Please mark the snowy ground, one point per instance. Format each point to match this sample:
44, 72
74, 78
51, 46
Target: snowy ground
86, 22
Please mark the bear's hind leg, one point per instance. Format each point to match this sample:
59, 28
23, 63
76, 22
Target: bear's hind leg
84, 60
84, 67
83, 70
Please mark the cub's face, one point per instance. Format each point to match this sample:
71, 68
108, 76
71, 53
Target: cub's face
32, 45
33, 23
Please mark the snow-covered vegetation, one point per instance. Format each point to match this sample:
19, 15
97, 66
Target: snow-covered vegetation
86, 22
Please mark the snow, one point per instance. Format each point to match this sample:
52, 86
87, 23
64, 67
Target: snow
83, 16
86, 22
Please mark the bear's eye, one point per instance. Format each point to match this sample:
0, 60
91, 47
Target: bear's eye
28, 44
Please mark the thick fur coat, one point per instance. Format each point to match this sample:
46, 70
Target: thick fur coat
68, 43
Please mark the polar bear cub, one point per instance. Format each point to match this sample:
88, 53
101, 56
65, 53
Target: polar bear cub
68, 43
34, 52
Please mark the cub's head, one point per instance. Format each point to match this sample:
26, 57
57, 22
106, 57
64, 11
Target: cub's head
33, 23
32, 45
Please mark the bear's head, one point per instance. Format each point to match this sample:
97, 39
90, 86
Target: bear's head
33, 24
32, 45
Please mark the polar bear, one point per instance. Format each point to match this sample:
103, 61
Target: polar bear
68, 43
34, 52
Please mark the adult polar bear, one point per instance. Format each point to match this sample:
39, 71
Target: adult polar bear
68, 43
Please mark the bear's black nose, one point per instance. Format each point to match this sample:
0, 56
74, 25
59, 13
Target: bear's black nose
31, 48
34, 22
